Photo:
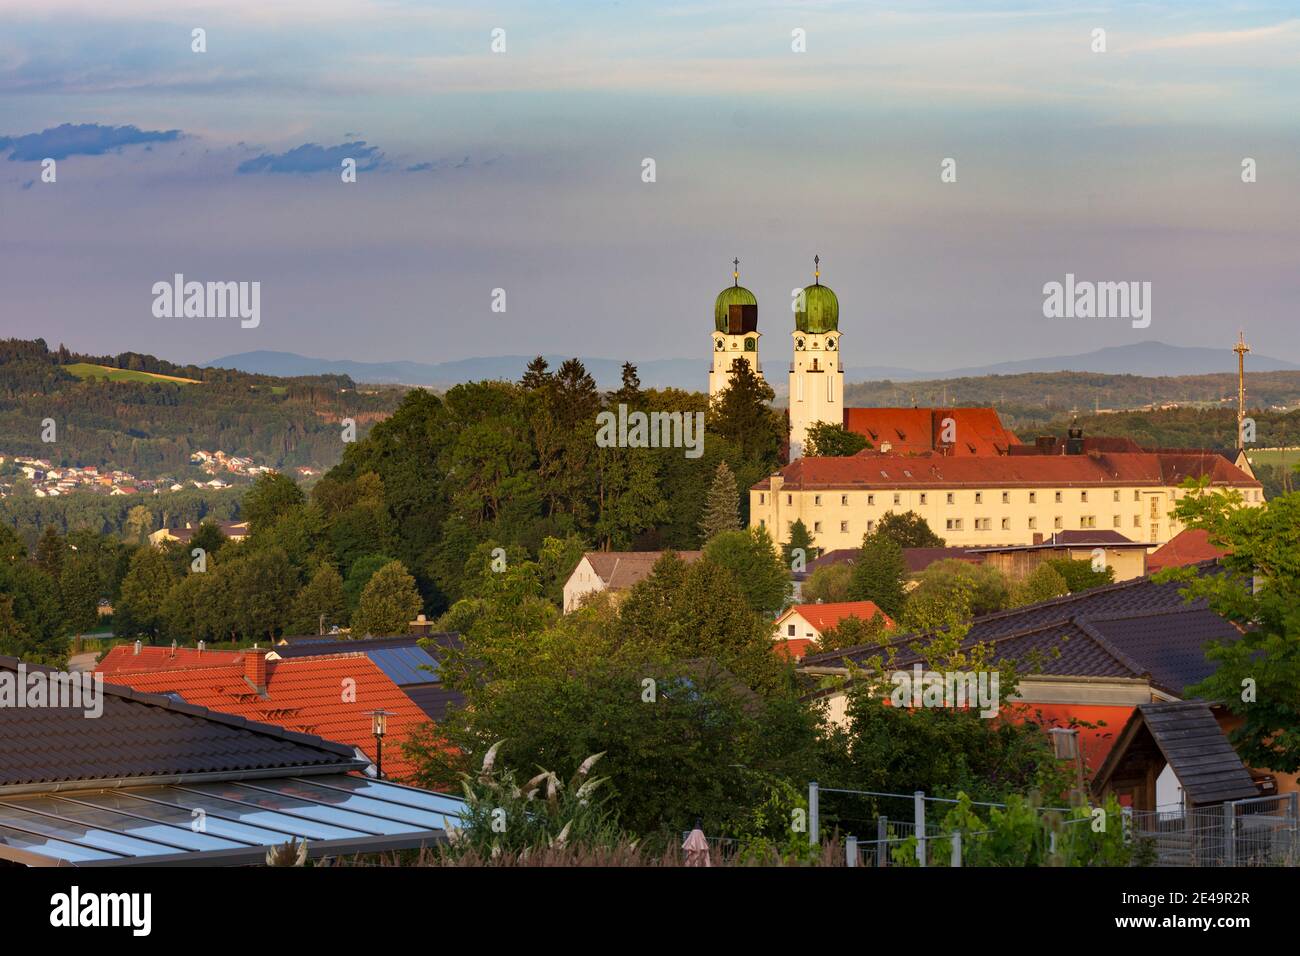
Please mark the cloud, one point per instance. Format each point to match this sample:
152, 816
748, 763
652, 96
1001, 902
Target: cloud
311, 158
87, 139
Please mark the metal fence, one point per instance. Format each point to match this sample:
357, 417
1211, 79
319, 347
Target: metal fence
1263, 831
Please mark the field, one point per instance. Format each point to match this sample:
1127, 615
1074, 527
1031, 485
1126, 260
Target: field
1283, 457
86, 370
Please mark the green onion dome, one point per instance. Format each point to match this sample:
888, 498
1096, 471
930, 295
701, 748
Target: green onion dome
731, 295
820, 312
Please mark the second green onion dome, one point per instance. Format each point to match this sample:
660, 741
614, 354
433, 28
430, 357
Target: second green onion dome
820, 312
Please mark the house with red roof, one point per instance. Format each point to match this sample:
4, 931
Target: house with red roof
138, 658
800, 626
954, 432
331, 697
1189, 546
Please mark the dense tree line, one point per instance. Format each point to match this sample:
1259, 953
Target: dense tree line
121, 515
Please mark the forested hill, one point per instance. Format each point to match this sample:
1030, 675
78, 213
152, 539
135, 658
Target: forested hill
1034, 397
145, 415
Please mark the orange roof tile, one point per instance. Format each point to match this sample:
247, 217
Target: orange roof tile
331, 697
793, 648
978, 431
872, 470
826, 616
123, 659
1189, 546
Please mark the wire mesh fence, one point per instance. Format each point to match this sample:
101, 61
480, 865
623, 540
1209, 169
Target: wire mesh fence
1264, 831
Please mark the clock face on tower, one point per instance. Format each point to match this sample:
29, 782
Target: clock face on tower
718, 345
798, 343
830, 345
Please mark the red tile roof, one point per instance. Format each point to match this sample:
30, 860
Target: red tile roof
794, 648
1190, 546
871, 470
123, 659
330, 697
826, 616
978, 431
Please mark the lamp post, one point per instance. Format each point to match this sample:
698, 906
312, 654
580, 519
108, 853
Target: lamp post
379, 727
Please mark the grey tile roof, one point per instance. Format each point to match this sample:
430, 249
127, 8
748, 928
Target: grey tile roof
1134, 629
140, 736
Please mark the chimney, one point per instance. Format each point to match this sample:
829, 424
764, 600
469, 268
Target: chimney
1038, 537
255, 670
1043, 444
137, 647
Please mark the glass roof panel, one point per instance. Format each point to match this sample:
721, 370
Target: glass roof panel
199, 831
307, 790
285, 826
84, 834
439, 803
280, 803
55, 849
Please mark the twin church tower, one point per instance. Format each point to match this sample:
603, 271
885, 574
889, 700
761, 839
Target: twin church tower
816, 374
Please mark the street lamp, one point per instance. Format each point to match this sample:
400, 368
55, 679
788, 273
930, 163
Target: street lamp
379, 727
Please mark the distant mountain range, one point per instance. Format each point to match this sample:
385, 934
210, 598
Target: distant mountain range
1141, 358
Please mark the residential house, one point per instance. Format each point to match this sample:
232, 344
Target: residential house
801, 626
612, 571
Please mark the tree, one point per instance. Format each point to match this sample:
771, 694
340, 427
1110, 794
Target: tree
388, 603
537, 375
31, 622
50, 551
986, 587
319, 604
359, 575
722, 506
1259, 590
271, 496
1080, 576
908, 530
138, 522
742, 414
828, 584
799, 546
1042, 584
138, 611
853, 631
757, 568
878, 574
79, 591
832, 440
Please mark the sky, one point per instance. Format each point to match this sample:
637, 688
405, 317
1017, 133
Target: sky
523, 171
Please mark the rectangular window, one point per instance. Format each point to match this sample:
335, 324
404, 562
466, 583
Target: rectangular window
1083, 496
1006, 524
1088, 521
1116, 523
952, 499
789, 499
871, 500
1033, 523
1137, 521
1006, 497
789, 629
844, 527
1033, 497
844, 501
979, 497
1137, 494
817, 527
1116, 498
1056, 522
954, 524
898, 499
817, 500
762, 498
923, 497
1058, 497
871, 527
983, 524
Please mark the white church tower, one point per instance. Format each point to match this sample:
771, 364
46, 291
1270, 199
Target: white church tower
816, 375
735, 333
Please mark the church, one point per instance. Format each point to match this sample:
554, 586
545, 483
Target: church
970, 477
816, 376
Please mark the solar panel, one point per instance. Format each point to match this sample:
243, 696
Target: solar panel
405, 665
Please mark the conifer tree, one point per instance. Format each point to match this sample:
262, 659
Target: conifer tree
722, 506
878, 574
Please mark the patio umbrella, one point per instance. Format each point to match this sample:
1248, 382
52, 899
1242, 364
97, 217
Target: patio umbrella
697, 848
